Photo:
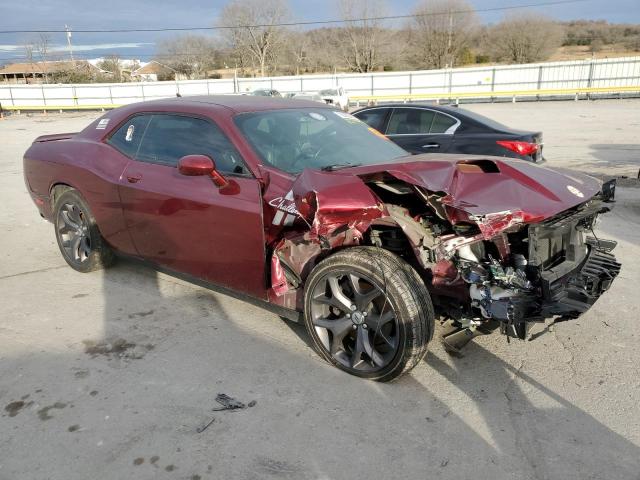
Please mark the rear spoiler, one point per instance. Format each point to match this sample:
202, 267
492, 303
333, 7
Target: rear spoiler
55, 136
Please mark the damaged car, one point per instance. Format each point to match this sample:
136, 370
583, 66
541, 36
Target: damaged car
311, 213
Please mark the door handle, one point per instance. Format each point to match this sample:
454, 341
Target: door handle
134, 178
431, 145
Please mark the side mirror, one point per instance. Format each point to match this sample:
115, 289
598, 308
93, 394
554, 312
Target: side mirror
196, 165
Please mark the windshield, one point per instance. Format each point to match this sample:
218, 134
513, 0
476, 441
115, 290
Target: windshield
292, 140
328, 92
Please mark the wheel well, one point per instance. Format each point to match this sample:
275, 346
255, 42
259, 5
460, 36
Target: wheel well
57, 190
393, 239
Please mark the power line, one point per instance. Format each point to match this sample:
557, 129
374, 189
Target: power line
292, 24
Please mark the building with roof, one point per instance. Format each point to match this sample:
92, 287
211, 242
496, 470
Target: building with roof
44, 72
152, 72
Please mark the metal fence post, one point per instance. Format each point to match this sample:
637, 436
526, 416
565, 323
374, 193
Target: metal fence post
372, 85
75, 96
142, 90
493, 79
539, 81
590, 78
301, 85
410, 83
539, 77
13, 103
110, 95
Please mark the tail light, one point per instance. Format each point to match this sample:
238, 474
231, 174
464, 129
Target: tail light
521, 148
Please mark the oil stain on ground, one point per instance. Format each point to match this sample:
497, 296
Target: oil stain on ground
116, 348
140, 314
43, 413
278, 468
14, 408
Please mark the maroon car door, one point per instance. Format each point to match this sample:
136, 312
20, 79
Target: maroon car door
186, 223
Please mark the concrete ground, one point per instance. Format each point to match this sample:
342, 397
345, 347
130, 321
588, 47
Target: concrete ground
107, 375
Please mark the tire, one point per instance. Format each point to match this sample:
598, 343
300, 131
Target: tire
77, 233
369, 313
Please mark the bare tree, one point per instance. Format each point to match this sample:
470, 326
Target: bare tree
29, 55
524, 38
441, 31
111, 64
322, 52
361, 43
296, 52
41, 46
190, 55
256, 40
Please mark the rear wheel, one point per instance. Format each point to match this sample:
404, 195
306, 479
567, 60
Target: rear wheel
368, 313
77, 234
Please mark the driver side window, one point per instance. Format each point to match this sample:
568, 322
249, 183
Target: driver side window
165, 138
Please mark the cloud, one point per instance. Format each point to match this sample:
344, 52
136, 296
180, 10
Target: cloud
99, 46
78, 48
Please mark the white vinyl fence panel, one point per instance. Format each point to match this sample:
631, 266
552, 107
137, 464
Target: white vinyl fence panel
483, 81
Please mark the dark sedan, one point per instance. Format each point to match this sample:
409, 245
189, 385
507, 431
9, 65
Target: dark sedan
422, 128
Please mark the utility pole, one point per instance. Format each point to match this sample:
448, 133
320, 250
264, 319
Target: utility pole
68, 30
449, 35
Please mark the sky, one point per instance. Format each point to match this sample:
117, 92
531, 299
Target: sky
110, 14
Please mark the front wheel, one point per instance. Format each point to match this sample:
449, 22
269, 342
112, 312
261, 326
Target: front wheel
368, 313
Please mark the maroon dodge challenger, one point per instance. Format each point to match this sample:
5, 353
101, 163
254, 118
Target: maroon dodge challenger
315, 215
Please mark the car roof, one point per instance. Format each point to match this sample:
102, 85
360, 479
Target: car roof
236, 103
441, 108
468, 116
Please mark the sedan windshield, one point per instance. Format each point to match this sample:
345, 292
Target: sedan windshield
292, 140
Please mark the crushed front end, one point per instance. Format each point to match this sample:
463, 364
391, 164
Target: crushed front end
489, 262
532, 272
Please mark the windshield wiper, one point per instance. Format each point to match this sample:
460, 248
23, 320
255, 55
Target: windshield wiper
338, 166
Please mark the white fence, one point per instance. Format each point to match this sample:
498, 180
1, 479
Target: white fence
541, 79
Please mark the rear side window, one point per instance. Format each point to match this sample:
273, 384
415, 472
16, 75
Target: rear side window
407, 121
168, 138
127, 138
442, 123
374, 118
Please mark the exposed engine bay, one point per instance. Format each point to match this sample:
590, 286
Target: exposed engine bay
486, 268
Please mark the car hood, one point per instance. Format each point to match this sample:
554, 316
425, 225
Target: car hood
492, 191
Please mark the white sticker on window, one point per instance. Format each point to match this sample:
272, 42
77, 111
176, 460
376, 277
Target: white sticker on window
102, 124
130, 131
317, 116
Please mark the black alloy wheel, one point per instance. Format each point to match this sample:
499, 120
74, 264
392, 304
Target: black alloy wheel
368, 313
77, 233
